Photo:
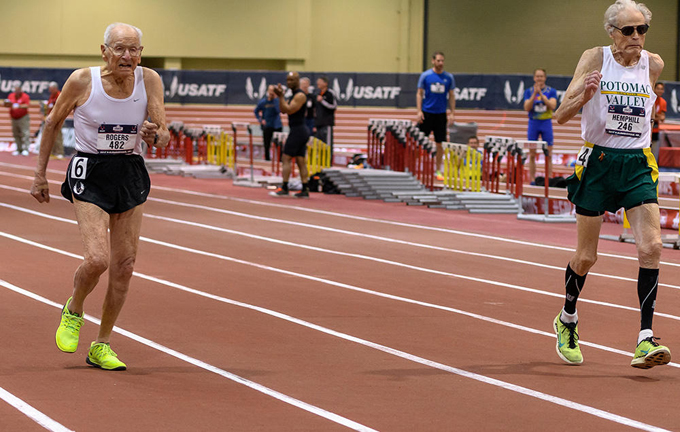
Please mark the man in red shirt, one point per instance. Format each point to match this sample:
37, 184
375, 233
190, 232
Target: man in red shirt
58, 149
18, 104
659, 116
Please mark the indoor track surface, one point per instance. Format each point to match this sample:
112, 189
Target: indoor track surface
253, 313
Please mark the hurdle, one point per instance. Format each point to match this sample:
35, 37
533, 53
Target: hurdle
221, 149
462, 167
278, 140
495, 148
234, 127
521, 147
318, 156
398, 145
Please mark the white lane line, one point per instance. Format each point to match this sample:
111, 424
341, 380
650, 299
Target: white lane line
387, 239
330, 282
606, 415
324, 281
32, 413
358, 234
388, 222
385, 261
361, 218
203, 365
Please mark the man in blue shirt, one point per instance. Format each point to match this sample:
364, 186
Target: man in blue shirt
540, 101
436, 103
269, 116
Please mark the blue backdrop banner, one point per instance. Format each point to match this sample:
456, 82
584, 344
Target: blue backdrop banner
473, 91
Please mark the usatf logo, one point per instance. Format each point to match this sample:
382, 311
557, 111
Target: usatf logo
117, 128
31, 87
519, 96
674, 101
261, 91
193, 89
364, 92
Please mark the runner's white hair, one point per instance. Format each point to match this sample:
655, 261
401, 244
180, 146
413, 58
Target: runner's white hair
109, 29
612, 13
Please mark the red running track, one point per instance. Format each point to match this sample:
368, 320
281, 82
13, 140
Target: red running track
248, 312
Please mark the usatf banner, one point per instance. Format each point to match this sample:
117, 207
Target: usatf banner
352, 89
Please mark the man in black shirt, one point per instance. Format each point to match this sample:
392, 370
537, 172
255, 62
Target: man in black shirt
311, 105
326, 103
296, 143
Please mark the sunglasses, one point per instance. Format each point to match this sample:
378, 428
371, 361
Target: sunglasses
628, 30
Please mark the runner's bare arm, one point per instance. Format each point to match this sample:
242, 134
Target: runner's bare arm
154, 132
295, 104
583, 86
76, 91
656, 65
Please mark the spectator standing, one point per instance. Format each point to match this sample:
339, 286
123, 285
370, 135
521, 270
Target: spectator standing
311, 105
326, 104
18, 101
659, 116
540, 101
436, 103
268, 115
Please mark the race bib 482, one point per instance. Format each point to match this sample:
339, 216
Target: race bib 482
116, 139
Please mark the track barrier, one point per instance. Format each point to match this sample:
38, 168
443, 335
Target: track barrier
495, 150
318, 156
249, 130
462, 167
221, 150
524, 149
398, 145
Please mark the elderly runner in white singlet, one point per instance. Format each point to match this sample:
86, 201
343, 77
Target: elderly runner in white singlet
615, 169
115, 107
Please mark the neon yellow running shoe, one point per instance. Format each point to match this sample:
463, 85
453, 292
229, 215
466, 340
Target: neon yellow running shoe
649, 354
69, 329
567, 341
102, 356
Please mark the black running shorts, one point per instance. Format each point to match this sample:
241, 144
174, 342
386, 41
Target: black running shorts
114, 183
296, 144
434, 123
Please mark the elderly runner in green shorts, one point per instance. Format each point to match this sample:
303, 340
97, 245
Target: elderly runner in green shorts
615, 168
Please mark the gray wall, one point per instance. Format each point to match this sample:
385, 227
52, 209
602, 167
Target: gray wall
505, 36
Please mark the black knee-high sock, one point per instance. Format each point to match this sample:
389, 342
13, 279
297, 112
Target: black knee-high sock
573, 284
648, 283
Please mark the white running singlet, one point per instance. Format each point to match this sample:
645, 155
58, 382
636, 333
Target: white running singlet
620, 113
105, 125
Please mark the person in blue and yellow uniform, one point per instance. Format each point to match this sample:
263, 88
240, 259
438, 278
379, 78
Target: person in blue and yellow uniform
540, 101
615, 169
436, 104
115, 107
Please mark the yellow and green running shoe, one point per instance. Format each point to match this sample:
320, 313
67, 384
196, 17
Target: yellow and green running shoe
102, 356
649, 354
69, 329
567, 341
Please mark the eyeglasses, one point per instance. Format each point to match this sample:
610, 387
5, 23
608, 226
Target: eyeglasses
120, 50
628, 30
